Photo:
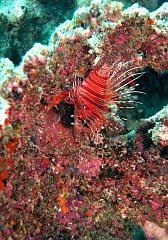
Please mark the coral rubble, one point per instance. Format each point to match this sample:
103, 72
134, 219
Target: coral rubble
56, 184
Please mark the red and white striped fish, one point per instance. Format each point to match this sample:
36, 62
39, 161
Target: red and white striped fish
103, 86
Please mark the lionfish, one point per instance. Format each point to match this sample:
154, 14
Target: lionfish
104, 86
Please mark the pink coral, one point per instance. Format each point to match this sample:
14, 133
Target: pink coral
163, 136
88, 165
153, 231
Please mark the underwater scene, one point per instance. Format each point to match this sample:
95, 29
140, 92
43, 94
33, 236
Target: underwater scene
83, 120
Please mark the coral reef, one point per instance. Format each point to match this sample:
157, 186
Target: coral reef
24, 22
56, 184
154, 232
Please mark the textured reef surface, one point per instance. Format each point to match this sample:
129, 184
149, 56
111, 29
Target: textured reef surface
108, 177
24, 22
